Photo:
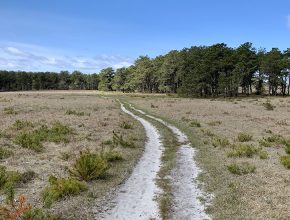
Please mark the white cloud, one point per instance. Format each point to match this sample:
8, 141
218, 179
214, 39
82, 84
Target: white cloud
288, 21
34, 58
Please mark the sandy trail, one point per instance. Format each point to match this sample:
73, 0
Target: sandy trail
136, 197
186, 202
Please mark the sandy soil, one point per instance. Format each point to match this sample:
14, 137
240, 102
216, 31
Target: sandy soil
136, 197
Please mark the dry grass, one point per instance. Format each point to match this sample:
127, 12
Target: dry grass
259, 195
92, 118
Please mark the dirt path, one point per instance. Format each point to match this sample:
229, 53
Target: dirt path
186, 202
136, 197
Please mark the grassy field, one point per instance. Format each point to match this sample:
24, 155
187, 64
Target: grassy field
242, 149
42, 135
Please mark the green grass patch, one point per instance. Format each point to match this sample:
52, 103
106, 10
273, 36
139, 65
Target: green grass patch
9, 111
5, 153
120, 140
60, 188
195, 123
244, 137
268, 106
33, 139
241, 168
285, 161
74, 112
243, 150
220, 142
214, 123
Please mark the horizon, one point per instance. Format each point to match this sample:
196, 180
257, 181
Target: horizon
89, 36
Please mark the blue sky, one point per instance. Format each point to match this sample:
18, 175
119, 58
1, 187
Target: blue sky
89, 35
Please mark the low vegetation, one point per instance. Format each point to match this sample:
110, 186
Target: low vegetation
241, 168
9, 111
285, 160
244, 137
89, 166
74, 112
195, 123
60, 187
220, 142
243, 150
33, 139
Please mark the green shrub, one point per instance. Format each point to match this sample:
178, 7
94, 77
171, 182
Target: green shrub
220, 142
243, 150
268, 106
74, 112
195, 123
9, 111
208, 132
126, 125
29, 140
60, 188
263, 154
244, 137
272, 140
285, 160
5, 153
241, 169
89, 166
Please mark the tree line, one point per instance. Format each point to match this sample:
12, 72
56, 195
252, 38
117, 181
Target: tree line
217, 70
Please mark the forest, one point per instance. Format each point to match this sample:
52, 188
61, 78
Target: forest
201, 71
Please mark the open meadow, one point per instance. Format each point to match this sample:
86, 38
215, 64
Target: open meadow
42, 136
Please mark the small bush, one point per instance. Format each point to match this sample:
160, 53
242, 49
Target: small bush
9, 111
195, 123
244, 137
285, 160
126, 125
268, 106
263, 154
5, 153
74, 112
60, 188
220, 142
89, 166
29, 140
272, 140
241, 169
243, 150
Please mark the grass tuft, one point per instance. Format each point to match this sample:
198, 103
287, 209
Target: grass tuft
243, 150
241, 168
60, 188
89, 166
244, 137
